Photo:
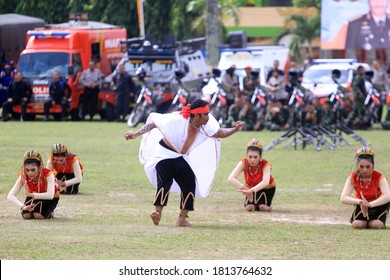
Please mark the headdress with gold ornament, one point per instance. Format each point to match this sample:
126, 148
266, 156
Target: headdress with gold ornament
365, 151
255, 143
35, 155
59, 148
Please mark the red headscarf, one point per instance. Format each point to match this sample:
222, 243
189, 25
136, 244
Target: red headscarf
186, 111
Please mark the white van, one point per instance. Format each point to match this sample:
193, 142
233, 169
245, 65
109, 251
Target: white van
258, 57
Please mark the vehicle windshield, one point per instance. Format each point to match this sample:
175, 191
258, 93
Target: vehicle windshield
42, 64
322, 76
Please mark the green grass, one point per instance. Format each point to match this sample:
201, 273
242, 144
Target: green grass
109, 219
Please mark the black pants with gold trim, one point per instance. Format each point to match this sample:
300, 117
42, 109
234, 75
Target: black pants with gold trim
72, 189
375, 213
263, 196
179, 170
43, 207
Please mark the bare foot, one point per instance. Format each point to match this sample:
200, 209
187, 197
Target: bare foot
265, 208
156, 217
182, 222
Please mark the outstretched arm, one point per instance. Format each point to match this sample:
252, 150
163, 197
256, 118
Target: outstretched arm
233, 180
226, 132
144, 129
13, 192
346, 194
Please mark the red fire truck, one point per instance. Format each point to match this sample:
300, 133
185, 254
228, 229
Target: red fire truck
67, 48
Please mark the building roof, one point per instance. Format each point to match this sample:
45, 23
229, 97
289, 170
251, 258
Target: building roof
12, 19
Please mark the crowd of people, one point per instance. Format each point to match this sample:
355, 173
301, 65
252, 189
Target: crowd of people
276, 114
15, 90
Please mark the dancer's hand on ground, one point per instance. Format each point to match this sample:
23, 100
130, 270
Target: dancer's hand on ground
61, 185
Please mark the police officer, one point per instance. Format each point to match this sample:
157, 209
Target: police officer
370, 31
91, 79
19, 93
59, 92
124, 88
6, 78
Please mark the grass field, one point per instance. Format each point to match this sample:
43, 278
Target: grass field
109, 219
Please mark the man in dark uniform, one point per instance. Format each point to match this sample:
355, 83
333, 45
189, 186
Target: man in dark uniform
124, 88
59, 92
19, 93
370, 31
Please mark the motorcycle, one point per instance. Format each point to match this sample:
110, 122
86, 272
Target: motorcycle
182, 95
373, 104
148, 101
259, 98
218, 102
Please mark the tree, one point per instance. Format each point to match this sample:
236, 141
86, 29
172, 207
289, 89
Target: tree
303, 30
52, 11
212, 33
158, 18
182, 18
209, 22
7, 6
227, 8
307, 3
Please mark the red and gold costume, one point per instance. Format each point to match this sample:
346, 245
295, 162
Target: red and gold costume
67, 167
369, 189
65, 170
45, 194
40, 185
254, 176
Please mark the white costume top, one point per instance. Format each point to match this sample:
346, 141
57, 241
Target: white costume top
202, 156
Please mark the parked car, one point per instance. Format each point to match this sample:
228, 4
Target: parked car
317, 78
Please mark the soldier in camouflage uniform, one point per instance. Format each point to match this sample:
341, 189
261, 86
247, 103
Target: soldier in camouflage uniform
233, 112
359, 93
249, 115
278, 117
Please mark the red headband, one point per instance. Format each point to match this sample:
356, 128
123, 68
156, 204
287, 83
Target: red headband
186, 111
